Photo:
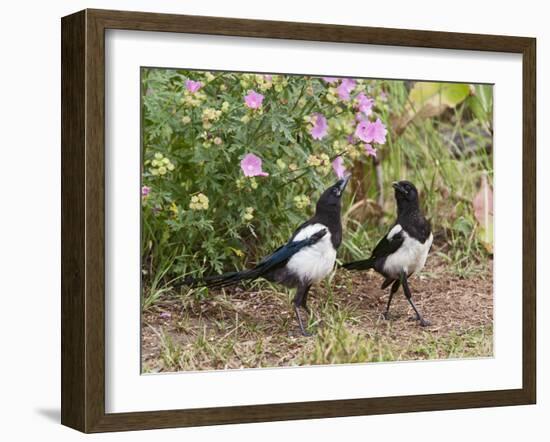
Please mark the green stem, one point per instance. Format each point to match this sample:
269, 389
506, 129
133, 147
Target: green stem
299, 97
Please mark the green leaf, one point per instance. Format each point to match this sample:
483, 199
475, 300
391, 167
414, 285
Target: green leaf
477, 108
425, 94
463, 226
484, 92
428, 100
483, 211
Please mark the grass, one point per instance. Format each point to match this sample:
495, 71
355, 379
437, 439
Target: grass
256, 327
339, 345
336, 343
469, 344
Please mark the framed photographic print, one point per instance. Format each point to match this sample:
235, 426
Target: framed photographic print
268, 221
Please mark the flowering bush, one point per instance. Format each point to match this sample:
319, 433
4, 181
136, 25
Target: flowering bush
232, 163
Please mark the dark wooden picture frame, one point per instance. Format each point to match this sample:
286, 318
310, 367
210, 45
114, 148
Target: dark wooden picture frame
83, 220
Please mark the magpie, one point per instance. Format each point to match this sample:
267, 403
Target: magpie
404, 249
305, 259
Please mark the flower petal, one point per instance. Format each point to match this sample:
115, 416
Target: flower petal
251, 166
253, 99
338, 167
346, 86
320, 127
193, 86
370, 151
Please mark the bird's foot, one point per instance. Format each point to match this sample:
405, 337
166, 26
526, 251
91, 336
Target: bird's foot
386, 316
309, 329
299, 318
423, 322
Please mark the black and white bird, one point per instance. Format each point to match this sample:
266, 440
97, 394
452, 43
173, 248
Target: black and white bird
404, 249
305, 259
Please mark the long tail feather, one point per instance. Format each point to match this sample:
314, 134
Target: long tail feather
278, 257
364, 264
228, 279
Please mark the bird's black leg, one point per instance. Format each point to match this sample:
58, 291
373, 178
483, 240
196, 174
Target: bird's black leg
300, 301
394, 288
407, 291
303, 304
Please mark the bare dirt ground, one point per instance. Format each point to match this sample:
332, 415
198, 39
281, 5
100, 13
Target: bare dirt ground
255, 327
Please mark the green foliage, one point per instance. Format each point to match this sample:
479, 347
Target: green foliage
427, 99
448, 94
192, 147
476, 342
202, 215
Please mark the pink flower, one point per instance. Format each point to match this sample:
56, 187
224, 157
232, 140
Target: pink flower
361, 131
338, 167
165, 315
360, 116
320, 127
145, 191
193, 86
268, 78
251, 165
378, 131
364, 104
369, 132
329, 80
370, 151
349, 83
345, 88
253, 100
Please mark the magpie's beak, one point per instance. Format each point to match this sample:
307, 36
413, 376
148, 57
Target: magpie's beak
398, 187
341, 184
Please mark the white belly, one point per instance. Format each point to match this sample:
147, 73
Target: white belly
410, 257
313, 263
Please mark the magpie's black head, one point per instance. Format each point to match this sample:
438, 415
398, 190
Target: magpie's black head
406, 195
331, 199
